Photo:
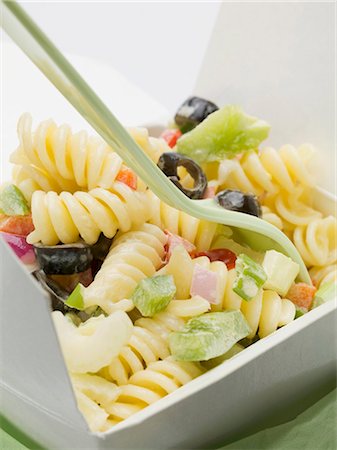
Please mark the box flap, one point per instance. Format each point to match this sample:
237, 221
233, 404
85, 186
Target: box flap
276, 60
31, 361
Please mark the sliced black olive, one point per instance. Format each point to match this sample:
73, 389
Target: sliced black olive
65, 259
101, 248
193, 111
57, 294
169, 163
238, 201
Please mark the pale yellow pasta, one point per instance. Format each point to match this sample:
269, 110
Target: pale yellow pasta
269, 171
270, 216
155, 382
65, 217
199, 232
133, 256
264, 313
293, 211
317, 243
321, 275
94, 394
153, 147
148, 342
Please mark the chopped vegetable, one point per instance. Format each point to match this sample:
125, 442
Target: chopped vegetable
12, 201
219, 254
22, 249
249, 279
208, 336
192, 112
169, 163
69, 282
75, 299
204, 284
301, 294
325, 293
21, 225
128, 177
153, 294
223, 134
65, 259
281, 271
171, 136
234, 200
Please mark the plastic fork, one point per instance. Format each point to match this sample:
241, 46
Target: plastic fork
257, 233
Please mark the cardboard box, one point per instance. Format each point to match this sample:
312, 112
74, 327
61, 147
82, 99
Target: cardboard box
264, 57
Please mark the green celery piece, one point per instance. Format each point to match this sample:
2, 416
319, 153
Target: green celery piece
75, 299
300, 312
246, 287
223, 134
12, 202
208, 336
247, 266
324, 294
250, 277
153, 294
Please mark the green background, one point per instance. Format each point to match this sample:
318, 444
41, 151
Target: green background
313, 429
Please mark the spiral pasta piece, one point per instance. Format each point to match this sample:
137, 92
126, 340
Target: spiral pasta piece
264, 313
199, 232
269, 171
270, 216
322, 275
149, 342
94, 394
53, 158
317, 243
150, 385
153, 147
133, 256
65, 217
72, 160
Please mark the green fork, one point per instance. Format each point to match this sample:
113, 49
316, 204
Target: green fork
257, 233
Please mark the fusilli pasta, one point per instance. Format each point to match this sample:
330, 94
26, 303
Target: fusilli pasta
317, 243
199, 232
155, 382
65, 217
324, 274
269, 172
148, 342
133, 256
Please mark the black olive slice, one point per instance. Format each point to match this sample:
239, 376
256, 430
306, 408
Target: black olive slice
64, 259
235, 200
57, 295
169, 163
192, 112
101, 248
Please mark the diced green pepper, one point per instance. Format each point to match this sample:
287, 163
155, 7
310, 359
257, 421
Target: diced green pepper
152, 295
12, 201
75, 299
208, 336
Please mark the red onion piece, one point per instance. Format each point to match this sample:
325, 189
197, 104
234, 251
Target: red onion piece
19, 245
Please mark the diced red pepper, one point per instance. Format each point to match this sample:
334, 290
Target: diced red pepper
128, 177
21, 225
301, 294
171, 136
219, 254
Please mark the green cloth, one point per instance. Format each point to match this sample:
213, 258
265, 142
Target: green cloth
314, 429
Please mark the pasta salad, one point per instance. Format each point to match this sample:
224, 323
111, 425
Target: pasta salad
144, 297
